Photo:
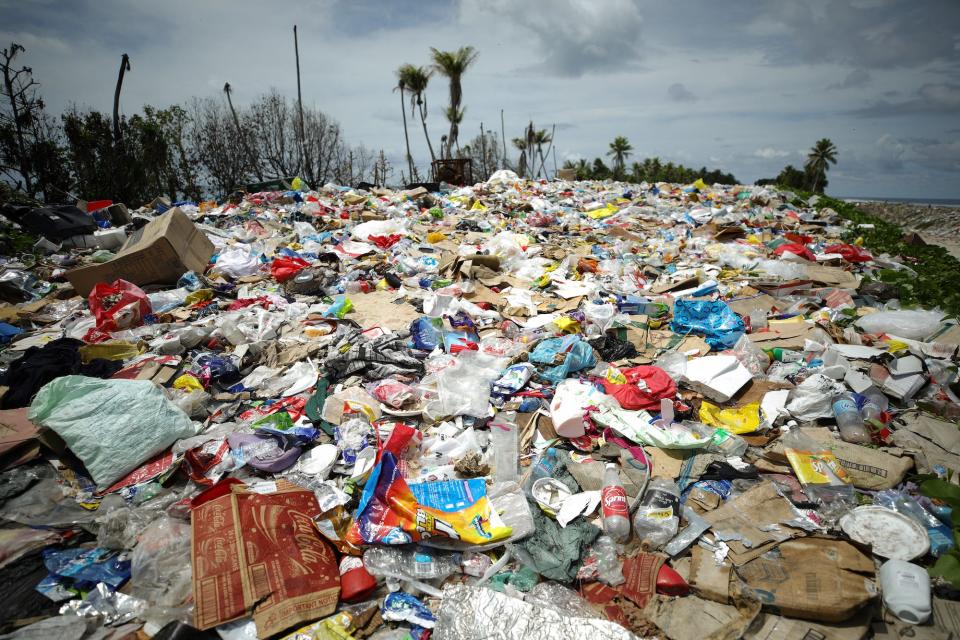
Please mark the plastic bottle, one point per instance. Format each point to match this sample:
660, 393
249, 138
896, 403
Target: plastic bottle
849, 421
609, 564
504, 444
784, 355
727, 444
546, 464
720, 440
613, 503
875, 403
906, 590
658, 516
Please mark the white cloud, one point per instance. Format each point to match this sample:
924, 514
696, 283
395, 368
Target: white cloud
769, 153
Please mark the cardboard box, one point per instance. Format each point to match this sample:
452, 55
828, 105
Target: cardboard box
158, 253
260, 553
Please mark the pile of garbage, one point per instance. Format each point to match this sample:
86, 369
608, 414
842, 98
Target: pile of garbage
509, 410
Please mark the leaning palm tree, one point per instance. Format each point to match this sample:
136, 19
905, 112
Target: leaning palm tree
620, 150
821, 156
416, 80
453, 64
402, 88
540, 138
521, 144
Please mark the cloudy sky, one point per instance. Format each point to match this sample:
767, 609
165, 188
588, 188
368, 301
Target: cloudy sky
745, 86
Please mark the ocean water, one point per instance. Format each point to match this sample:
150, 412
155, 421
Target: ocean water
936, 202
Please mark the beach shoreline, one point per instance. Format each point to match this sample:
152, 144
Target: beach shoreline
936, 223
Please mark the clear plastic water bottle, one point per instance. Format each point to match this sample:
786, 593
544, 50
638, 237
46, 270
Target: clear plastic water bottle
849, 421
613, 503
875, 403
658, 517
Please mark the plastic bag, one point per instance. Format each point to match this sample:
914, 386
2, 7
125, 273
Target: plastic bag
719, 324
905, 323
236, 262
745, 419
112, 426
645, 387
391, 513
813, 398
120, 305
284, 268
160, 565
572, 353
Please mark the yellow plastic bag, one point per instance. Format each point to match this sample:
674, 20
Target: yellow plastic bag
745, 419
187, 382
603, 212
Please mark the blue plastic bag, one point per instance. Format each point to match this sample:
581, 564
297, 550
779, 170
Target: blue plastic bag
718, 323
578, 356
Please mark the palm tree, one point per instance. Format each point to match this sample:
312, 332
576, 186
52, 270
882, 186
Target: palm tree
453, 64
402, 87
521, 144
821, 156
620, 150
416, 80
454, 117
540, 138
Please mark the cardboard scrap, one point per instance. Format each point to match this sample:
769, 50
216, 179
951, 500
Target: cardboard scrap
693, 617
812, 578
770, 626
787, 336
930, 441
261, 554
753, 522
379, 308
160, 252
18, 438
719, 378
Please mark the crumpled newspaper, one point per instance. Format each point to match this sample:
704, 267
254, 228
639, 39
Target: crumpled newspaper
477, 613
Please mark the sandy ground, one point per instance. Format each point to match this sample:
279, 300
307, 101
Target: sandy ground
936, 225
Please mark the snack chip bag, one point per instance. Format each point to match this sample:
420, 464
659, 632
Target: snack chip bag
390, 512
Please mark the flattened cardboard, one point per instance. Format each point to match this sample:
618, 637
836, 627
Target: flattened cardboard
788, 336
158, 253
770, 626
261, 554
744, 523
812, 578
832, 276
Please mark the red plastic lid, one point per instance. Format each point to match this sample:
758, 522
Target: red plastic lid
355, 581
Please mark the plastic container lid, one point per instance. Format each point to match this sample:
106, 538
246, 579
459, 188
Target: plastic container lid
890, 534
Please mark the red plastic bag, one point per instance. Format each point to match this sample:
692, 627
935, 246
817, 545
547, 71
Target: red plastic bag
797, 249
849, 252
120, 305
385, 242
284, 268
644, 389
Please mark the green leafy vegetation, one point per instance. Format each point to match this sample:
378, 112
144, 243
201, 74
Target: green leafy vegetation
937, 279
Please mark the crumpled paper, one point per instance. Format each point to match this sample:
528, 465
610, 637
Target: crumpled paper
476, 613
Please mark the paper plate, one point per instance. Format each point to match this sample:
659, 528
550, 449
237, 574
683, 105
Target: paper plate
890, 534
